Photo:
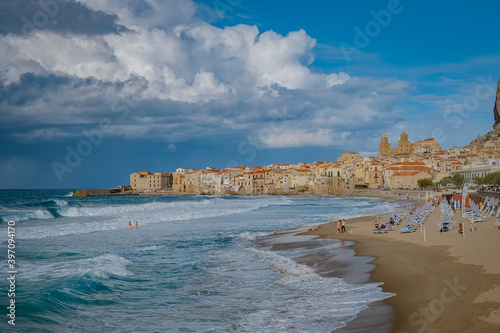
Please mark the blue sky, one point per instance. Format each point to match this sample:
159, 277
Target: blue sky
92, 91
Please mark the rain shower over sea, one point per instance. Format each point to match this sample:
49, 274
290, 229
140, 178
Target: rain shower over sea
194, 264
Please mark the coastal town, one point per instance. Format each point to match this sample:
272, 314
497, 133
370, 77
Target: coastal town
400, 167
407, 166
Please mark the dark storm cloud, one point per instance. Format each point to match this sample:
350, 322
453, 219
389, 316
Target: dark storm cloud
22, 17
30, 88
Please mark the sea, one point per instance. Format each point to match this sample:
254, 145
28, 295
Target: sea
193, 264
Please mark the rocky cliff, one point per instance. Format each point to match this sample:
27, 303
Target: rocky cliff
495, 134
496, 109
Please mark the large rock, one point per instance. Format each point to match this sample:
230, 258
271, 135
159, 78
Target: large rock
496, 110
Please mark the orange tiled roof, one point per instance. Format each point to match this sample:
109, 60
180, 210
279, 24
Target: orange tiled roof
409, 163
406, 174
409, 167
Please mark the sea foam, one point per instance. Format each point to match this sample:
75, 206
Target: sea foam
319, 304
102, 266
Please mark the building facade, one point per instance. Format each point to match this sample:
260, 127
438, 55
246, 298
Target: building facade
147, 181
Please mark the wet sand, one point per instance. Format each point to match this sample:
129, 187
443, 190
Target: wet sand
336, 258
449, 283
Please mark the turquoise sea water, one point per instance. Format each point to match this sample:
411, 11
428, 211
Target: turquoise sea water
193, 265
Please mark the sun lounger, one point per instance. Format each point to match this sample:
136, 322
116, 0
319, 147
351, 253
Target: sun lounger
446, 226
473, 217
381, 231
407, 230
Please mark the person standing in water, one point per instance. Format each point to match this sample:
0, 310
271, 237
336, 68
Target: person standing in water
129, 224
136, 225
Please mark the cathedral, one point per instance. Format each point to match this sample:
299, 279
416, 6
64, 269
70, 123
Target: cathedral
405, 147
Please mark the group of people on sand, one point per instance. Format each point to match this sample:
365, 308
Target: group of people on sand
379, 227
130, 225
341, 226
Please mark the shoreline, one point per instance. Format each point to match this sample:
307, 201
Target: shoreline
367, 193
448, 283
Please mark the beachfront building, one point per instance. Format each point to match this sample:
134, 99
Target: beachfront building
192, 181
238, 185
299, 179
360, 179
178, 184
374, 175
270, 185
277, 182
258, 178
334, 179
408, 180
472, 171
325, 179
400, 167
208, 181
223, 181
147, 181
319, 184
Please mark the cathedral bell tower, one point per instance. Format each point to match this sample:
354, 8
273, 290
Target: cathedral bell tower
384, 147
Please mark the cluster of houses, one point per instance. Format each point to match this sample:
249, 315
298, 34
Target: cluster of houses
394, 168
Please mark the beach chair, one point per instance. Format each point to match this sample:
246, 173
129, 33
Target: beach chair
446, 226
407, 230
473, 217
381, 231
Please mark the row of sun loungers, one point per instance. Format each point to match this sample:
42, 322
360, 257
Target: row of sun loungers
446, 223
419, 216
405, 214
489, 208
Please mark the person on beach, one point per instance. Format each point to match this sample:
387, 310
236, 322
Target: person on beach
377, 226
343, 226
129, 224
339, 224
136, 225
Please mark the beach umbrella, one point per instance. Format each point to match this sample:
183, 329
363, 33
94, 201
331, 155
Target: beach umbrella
464, 196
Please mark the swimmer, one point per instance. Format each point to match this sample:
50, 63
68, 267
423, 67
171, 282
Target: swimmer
136, 225
129, 224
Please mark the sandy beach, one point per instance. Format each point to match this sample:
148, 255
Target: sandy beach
449, 283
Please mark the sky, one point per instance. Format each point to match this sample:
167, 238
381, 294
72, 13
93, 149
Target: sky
94, 90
